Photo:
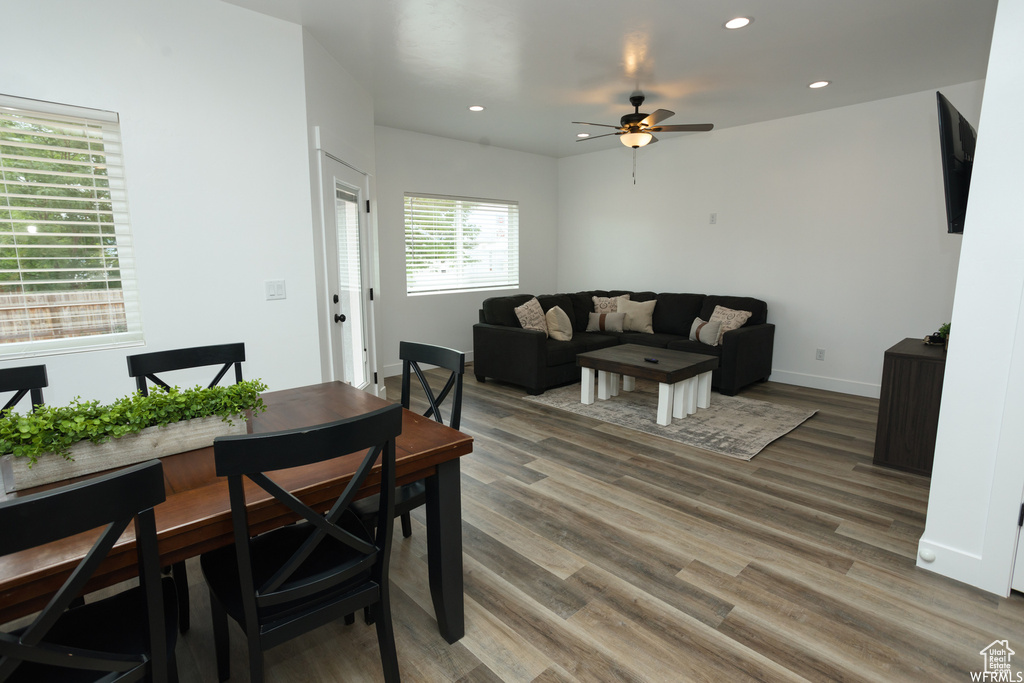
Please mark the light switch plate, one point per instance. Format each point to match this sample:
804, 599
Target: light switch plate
275, 290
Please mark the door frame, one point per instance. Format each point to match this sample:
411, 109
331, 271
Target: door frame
325, 307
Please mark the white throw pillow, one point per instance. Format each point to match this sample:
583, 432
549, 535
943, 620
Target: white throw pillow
606, 322
608, 304
559, 325
638, 315
705, 331
730, 319
531, 316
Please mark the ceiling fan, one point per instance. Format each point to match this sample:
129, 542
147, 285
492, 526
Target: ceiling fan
637, 129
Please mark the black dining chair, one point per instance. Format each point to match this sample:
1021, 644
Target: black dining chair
127, 636
282, 583
144, 368
29, 379
411, 496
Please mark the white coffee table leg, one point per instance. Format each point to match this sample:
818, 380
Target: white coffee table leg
690, 389
628, 383
704, 390
587, 387
603, 385
666, 395
613, 388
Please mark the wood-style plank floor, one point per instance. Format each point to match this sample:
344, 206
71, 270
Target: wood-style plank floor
594, 553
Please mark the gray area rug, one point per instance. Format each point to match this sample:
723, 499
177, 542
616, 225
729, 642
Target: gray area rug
734, 426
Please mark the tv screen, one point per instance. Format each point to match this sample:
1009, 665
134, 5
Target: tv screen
956, 145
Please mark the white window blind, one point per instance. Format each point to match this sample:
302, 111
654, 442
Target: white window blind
460, 244
67, 272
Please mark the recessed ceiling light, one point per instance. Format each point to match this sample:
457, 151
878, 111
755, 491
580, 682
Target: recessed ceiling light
475, 107
818, 84
583, 135
738, 22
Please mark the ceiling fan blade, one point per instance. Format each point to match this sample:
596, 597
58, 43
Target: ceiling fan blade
586, 123
682, 128
594, 137
657, 115
653, 140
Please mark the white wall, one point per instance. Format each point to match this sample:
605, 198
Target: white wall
978, 473
413, 162
213, 118
836, 219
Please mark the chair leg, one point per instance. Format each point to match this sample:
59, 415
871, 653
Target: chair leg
181, 586
220, 639
350, 618
406, 525
368, 616
255, 659
386, 640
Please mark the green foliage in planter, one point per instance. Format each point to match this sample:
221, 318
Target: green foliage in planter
54, 429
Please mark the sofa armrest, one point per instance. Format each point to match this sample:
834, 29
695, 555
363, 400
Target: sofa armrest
510, 354
746, 357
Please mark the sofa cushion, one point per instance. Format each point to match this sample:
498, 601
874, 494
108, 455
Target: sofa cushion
675, 313
583, 306
501, 310
643, 296
758, 309
656, 339
695, 347
638, 315
706, 331
608, 304
565, 352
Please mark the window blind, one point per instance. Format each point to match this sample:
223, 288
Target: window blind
67, 271
460, 244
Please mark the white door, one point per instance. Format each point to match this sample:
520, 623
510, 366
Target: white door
347, 255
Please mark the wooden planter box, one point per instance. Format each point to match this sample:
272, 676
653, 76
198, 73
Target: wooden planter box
152, 442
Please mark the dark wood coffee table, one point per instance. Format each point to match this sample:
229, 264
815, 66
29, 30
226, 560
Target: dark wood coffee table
684, 379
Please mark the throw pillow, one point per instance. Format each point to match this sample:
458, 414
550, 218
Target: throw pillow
638, 315
559, 325
705, 331
606, 322
531, 316
730, 319
608, 304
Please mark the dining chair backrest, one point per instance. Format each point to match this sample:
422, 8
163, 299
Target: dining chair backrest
145, 366
414, 353
22, 381
336, 566
110, 502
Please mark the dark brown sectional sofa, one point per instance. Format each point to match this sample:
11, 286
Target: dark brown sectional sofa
504, 351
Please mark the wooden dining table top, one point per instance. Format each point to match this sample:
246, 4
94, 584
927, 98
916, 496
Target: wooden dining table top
196, 515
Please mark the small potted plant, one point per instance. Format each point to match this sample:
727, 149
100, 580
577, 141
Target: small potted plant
53, 443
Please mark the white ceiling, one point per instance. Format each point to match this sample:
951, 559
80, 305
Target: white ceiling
538, 65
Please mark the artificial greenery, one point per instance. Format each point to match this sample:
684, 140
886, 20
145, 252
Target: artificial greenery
54, 429
944, 331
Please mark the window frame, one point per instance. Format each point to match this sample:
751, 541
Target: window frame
470, 275
118, 269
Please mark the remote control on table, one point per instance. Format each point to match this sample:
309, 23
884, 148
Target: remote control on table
651, 360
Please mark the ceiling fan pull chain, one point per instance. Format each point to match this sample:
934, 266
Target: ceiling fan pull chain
634, 165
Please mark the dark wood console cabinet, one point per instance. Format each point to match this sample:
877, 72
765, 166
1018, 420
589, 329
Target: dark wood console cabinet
908, 408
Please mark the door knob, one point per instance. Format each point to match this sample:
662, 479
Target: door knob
339, 318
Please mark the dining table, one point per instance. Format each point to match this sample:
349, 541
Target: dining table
196, 515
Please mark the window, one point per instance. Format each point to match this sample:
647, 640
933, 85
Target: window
67, 279
460, 244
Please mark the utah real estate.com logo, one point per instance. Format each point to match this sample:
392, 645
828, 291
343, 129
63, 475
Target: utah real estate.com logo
997, 656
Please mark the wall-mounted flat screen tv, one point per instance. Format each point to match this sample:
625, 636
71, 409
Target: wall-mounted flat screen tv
956, 145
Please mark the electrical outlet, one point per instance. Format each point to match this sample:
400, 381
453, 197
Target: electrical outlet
713, 219
819, 354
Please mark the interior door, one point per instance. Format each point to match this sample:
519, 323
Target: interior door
347, 254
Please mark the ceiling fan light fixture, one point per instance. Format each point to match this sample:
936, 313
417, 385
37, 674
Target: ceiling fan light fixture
635, 139
738, 22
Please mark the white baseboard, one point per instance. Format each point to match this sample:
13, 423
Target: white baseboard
843, 386
395, 369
